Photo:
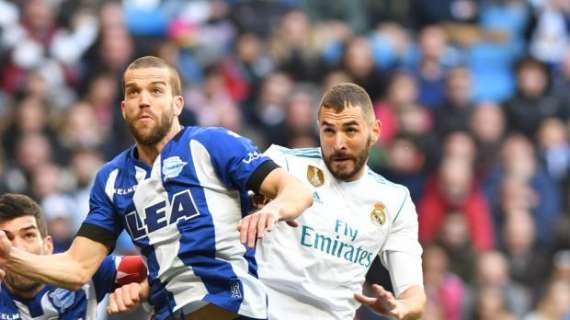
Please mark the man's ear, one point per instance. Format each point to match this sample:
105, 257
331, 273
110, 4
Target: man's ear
376, 130
123, 108
178, 105
48, 245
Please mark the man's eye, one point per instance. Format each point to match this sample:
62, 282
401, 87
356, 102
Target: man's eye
30, 235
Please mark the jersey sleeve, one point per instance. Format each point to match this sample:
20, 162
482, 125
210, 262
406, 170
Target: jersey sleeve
401, 254
102, 223
236, 160
275, 152
104, 277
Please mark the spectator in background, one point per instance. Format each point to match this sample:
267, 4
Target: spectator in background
294, 47
245, 70
401, 94
525, 185
454, 189
460, 145
454, 239
445, 291
528, 266
488, 129
431, 66
300, 122
32, 151
358, 63
532, 102
491, 305
455, 113
405, 164
554, 149
77, 129
492, 283
269, 112
40, 44
30, 116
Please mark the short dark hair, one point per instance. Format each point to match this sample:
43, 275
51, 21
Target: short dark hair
155, 62
14, 206
346, 94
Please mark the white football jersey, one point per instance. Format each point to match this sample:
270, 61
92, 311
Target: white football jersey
312, 271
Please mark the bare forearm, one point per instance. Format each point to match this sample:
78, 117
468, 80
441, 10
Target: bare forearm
69, 270
415, 298
292, 199
58, 270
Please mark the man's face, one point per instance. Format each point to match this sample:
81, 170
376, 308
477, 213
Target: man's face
346, 138
149, 106
25, 235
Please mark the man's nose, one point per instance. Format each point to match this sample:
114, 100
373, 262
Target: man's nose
144, 99
339, 142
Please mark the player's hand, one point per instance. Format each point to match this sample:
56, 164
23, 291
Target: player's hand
256, 224
127, 297
5, 248
384, 303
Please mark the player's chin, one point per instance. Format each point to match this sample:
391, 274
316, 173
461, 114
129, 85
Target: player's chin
343, 168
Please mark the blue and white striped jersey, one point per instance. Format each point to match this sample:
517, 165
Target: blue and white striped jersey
53, 303
183, 214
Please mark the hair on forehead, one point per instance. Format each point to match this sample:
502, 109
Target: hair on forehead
347, 94
14, 206
156, 62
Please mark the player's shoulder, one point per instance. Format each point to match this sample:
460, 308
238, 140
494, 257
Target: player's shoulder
379, 181
119, 162
308, 153
210, 134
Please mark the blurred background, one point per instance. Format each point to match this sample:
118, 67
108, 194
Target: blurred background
474, 97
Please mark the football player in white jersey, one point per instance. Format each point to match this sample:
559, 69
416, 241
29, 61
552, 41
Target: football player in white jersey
22, 298
317, 271
181, 194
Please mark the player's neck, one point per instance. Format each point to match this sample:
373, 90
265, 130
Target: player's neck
148, 154
357, 176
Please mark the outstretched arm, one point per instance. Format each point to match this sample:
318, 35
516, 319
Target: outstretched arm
290, 199
70, 269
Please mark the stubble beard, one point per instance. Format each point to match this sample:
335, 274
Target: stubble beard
156, 134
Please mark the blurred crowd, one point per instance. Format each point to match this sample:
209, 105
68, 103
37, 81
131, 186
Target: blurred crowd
473, 95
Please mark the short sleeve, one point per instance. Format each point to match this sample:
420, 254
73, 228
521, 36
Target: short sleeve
104, 277
234, 157
401, 254
102, 223
275, 152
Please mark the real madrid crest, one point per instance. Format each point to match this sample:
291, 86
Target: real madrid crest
315, 176
378, 213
